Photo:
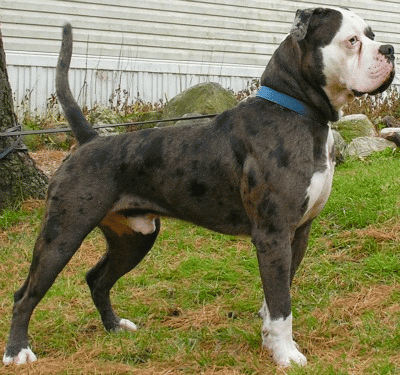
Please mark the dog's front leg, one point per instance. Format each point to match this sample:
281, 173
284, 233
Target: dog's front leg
274, 258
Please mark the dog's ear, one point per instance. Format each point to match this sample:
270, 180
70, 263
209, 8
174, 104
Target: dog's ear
300, 24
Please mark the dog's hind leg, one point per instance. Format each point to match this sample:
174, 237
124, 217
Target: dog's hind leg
56, 244
66, 224
126, 248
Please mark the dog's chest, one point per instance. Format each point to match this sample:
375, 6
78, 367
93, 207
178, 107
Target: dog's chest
320, 186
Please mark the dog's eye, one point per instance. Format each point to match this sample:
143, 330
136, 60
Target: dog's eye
353, 40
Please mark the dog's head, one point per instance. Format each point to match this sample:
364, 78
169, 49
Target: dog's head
355, 64
352, 63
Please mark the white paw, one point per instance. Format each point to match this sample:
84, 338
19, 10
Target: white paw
285, 353
127, 325
277, 338
24, 356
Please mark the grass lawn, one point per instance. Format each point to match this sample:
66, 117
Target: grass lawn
196, 295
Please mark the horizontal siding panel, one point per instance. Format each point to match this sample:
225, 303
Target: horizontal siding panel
215, 57
134, 64
98, 40
155, 14
211, 9
143, 38
148, 27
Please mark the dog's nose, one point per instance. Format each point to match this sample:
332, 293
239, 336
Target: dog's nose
387, 50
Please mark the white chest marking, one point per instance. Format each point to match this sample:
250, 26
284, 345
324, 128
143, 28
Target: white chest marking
320, 187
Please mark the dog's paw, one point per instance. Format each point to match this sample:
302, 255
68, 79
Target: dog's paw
277, 338
24, 356
287, 356
284, 353
127, 325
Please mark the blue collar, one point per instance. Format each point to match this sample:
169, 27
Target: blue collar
286, 102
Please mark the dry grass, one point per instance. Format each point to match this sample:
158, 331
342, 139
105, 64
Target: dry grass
48, 160
376, 107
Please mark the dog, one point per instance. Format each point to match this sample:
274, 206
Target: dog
262, 169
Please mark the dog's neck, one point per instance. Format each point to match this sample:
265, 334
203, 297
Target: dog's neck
290, 103
288, 78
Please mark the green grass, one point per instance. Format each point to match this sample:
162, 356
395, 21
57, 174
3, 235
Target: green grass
196, 296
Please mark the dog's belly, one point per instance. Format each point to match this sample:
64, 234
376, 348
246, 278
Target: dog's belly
320, 186
228, 219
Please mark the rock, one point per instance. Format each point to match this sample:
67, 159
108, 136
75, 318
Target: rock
364, 146
389, 130
199, 121
204, 98
103, 116
340, 146
391, 122
354, 126
391, 134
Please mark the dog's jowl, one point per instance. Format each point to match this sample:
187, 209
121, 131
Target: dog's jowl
262, 169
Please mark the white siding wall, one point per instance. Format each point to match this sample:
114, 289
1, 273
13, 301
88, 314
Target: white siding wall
154, 49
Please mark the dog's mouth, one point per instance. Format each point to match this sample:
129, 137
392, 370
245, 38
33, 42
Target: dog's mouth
358, 94
385, 85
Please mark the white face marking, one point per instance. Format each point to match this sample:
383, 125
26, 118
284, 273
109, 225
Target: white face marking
24, 356
352, 62
277, 337
321, 183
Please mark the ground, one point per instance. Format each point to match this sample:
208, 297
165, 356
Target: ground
48, 160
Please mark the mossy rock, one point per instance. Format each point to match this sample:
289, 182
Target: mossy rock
190, 121
104, 115
340, 146
204, 98
362, 147
354, 126
142, 117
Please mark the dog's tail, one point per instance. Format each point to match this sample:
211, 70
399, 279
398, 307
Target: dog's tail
82, 129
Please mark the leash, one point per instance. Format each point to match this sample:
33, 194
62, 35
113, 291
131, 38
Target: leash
8, 133
287, 102
17, 145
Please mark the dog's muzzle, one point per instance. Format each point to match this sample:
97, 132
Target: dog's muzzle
387, 50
